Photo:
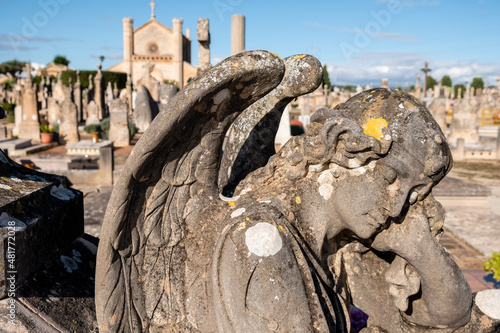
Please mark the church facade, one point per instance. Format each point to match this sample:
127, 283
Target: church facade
156, 50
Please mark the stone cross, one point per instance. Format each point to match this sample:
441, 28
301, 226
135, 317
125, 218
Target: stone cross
153, 5
426, 69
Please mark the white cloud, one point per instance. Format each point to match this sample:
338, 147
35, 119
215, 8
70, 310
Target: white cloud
402, 67
413, 3
384, 35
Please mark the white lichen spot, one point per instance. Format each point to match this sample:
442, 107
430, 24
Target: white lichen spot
325, 181
276, 298
33, 117
263, 239
358, 171
387, 137
237, 212
5, 187
401, 106
61, 193
15, 179
353, 163
245, 190
221, 96
325, 177
265, 201
326, 191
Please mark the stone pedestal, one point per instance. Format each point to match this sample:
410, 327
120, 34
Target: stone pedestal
39, 218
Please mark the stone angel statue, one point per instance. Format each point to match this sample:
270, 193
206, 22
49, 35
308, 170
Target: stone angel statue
208, 230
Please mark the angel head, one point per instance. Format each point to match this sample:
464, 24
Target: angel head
367, 159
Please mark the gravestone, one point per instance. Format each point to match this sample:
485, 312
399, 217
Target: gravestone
464, 122
53, 112
145, 109
118, 123
92, 114
166, 92
68, 128
438, 109
29, 126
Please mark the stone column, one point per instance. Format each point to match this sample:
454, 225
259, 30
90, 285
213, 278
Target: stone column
384, 83
178, 52
77, 96
237, 34
98, 93
129, 95
418, 89
203, 36
29, 128
128, 43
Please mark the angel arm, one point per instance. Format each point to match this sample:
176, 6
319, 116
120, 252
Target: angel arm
445, 297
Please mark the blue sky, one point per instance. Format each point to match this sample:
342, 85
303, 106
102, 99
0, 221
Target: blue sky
360, 41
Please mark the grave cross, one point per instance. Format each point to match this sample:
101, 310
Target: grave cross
426, 69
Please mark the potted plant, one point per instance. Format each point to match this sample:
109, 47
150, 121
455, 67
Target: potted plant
46, 132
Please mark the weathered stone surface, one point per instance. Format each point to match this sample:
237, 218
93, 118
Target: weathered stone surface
145, 109
39, 218
343, 212
68, 128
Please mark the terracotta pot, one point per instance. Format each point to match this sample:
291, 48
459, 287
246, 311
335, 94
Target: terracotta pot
95, 137
46, 137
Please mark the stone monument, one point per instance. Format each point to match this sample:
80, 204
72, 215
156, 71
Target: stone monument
342, 215
145, 109
118, 123
68, 128
29, 126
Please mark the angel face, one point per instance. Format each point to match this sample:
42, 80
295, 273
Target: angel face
363, 202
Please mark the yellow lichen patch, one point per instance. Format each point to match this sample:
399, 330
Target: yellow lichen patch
241, 226
231, 204
298, 201
275, 54
299, 56
247, 219
19, 208
371, 92
374, 127
282, 229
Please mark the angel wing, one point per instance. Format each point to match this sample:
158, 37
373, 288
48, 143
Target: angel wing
250, 140
137, 280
